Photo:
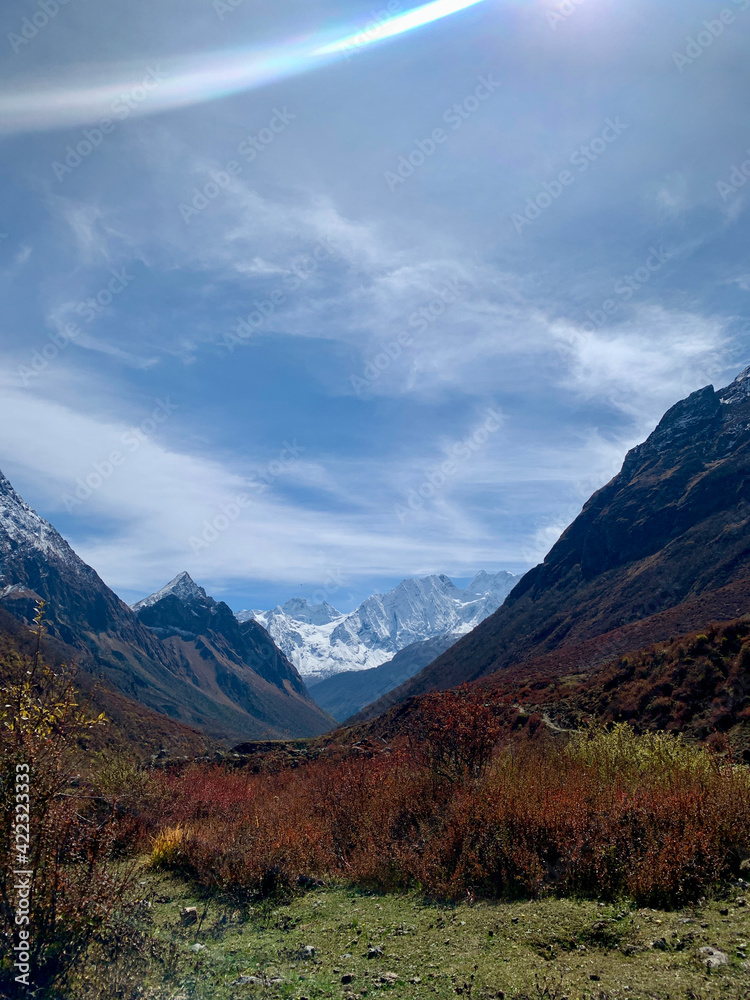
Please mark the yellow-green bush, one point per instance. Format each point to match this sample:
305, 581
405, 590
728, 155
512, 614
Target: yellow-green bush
621, 751
169, 848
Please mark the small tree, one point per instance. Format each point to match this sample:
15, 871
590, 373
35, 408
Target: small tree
49, 828
455, 732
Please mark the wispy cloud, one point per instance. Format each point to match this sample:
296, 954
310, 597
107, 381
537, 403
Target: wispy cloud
157, 498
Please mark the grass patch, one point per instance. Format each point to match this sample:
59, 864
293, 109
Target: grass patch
334, 942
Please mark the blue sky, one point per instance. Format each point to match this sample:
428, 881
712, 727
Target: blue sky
475, 263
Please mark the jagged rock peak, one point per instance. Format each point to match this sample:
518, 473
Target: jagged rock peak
689, 419
738, 391
693, 418
297, 609
183, 586
485, 583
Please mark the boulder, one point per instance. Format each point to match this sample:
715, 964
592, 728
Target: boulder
712, 958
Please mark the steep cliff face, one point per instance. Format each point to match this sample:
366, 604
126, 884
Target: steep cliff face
673, 526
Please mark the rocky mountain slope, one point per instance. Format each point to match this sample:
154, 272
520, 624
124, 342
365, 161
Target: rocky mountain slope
229, 660
182, 610
322, 641
36, 562
670, 532
698, 684
132, 729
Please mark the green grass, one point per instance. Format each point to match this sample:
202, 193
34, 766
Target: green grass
573, 949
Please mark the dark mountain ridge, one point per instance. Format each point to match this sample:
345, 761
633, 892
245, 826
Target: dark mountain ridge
346, 693
184, 611
671, 528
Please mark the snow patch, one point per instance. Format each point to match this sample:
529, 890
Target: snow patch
22, 528
738, 391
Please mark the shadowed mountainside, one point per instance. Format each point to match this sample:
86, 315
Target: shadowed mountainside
346, 693
672, 529
132, 729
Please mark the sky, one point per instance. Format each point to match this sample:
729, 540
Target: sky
304, 302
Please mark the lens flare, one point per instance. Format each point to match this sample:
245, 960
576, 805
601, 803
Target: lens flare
121, 92
397, 25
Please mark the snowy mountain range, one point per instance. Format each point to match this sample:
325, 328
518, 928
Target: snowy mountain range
321, 641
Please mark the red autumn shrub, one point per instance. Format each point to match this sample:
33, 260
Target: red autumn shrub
613, 814
455, 732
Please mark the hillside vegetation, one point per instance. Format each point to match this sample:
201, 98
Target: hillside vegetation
697, 685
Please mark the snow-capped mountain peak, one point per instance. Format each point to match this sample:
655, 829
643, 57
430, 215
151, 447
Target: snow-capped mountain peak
486, 583
21, 526
321, 641
183, 587
312, 614
297, 609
